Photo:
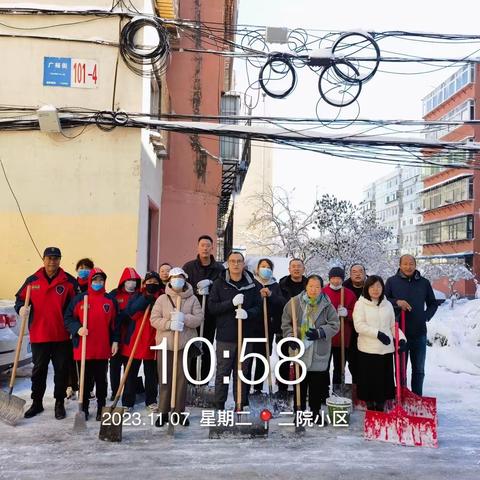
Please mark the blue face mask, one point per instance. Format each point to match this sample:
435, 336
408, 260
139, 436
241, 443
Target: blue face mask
83, 273
177, 283
265, 273
97, 286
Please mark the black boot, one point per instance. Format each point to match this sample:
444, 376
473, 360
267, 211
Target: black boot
379, 406
161, 420
370, 405
60, 413
35, 408
99, 414
317, 417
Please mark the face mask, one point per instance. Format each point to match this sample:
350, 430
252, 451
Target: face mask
83, 273
152, 288
335, 287
265, 273
177, 283
97, 286
130, 285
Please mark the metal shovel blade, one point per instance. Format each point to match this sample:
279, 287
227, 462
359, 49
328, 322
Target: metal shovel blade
256, 428
79, 422
111, 424
264, 401
11, 408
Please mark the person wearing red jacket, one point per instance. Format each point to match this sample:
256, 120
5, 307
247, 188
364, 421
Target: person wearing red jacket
51, 291
333, 290
152, 288
128, 287
102, 335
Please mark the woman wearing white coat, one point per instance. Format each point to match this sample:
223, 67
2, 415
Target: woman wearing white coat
374, 320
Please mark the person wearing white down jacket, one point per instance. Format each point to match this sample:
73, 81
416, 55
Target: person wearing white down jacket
374, 320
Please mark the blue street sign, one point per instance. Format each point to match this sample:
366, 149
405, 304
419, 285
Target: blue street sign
57, 71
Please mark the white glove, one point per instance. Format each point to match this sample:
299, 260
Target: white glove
203, 286
177, 316
342, 312
25, 311
237, 299
176, 326
241, 314
114, 348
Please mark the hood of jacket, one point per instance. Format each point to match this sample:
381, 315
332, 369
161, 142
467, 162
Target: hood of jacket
93, 272
129, 273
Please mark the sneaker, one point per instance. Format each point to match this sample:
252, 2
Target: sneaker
152, 407
161, 420
34, 409
60, 413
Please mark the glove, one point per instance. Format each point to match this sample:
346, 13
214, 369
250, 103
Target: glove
384, 338
241, 314
114, 348
203, 287
238, 299
315, 334
342, 312
176, 326
25, 311
402, 346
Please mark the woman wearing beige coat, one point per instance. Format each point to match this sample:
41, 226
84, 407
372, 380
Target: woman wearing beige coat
166, 320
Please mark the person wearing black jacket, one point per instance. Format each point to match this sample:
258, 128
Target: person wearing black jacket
355, 283
275, 302
202, 272
410, 292
293, 284
235, 295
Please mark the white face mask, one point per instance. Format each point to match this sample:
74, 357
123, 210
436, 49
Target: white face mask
337, 287
130, 285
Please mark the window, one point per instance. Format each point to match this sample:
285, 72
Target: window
464, 111
460, 228
153, 237
453, 192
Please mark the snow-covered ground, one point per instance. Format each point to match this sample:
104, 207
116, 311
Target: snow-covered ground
46, 448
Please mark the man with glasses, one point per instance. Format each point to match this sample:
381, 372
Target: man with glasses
234, 295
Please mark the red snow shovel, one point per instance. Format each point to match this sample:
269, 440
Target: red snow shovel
398, 425
412, 403
11, 406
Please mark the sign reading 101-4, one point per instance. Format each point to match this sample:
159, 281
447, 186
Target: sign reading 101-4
70, 72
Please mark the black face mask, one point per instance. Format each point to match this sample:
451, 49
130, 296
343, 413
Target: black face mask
152, 288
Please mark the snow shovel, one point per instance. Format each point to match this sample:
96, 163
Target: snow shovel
261, 401
299, 429
11, 406
412, 403
112, 416
398, 425
173, 395
202, 396
80, 422
256, 426
345, 390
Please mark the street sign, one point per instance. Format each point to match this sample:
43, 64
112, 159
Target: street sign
70, 72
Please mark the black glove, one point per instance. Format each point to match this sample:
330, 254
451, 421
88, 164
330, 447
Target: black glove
315, 334
402, 346
384, 338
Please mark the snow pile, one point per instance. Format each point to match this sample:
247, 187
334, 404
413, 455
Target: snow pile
455, 336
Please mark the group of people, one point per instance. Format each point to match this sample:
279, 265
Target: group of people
206, 293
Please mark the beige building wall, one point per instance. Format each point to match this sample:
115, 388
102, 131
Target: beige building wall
88, 195
259, 181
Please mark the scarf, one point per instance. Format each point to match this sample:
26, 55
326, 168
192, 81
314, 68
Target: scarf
310, 314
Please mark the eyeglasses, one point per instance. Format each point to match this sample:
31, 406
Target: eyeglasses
235, 262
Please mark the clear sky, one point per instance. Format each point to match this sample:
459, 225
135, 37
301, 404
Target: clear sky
385, 96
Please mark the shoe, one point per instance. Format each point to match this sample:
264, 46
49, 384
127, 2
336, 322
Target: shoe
128, 409
87, 414
161, 420
92, 395
152, 407
34, 409
186, 422
60, 413
99, 414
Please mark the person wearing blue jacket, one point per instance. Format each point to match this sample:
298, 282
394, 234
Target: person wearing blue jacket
412, 293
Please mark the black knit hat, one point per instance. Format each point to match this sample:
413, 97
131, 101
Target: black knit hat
150, 275
337, 272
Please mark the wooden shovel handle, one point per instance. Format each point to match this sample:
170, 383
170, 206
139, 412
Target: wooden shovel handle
21, 333
173, 394
84, 350
342, 336
130, 359
267, 339
297, 366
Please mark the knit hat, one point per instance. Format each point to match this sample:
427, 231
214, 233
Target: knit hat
336, 272
150, 275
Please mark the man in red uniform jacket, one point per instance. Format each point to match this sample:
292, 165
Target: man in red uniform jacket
102, 334
51, 292
333, 290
